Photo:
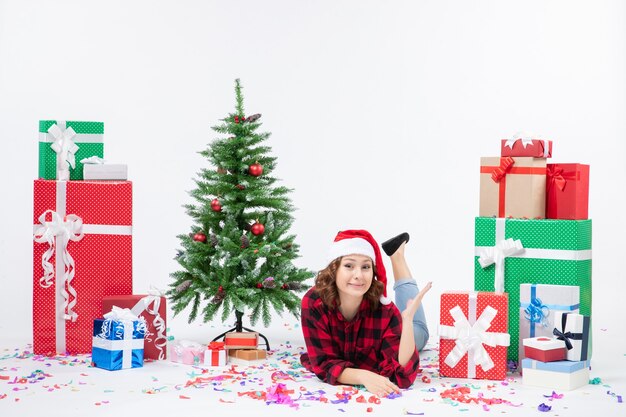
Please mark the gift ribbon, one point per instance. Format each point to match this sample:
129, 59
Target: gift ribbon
128, 335
64, 147
567, 336
529, 253
236, 339
496, 255
537, 312
471, 335
71, 228
526, 140
217, 349
499, 173
154, 300
558, 177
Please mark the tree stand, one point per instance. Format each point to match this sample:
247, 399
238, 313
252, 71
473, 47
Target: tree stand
239, 328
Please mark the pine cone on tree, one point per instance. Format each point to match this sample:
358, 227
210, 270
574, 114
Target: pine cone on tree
253, 118
214, 241
219, 297
183, 286
245, 242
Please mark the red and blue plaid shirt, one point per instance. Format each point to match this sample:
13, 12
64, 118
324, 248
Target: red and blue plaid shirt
371, 341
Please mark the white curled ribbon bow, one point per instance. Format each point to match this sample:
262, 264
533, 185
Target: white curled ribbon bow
153, 299
525, 138
59, 232
470, 338
496, 255
64, 147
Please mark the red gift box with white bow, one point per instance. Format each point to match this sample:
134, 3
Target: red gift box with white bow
82, 252
473, 336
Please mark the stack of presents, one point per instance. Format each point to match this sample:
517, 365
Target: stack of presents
532, 277
83, 297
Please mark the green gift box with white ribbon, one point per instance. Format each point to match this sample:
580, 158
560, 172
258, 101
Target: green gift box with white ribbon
511, 252
63, 144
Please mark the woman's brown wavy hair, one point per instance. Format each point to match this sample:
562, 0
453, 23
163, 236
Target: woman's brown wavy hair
326, 286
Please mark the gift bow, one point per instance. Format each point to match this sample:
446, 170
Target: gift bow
470, 338
505, 166
64, 146
537, 312
216, 345
125, 316
557, 177
567, 337
154, 300
59, 231
496, 255
522, 137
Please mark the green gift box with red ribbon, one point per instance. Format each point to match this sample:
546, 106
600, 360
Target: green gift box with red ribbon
512, 187
510, 252
63, 144
567, 191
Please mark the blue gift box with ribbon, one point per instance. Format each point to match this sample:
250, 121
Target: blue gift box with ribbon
540, 304
118, 342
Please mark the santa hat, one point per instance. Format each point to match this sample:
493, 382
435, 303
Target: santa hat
360, 242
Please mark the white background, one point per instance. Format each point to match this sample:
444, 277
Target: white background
379, 113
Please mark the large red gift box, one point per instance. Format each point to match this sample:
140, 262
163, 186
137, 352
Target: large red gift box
473, 335
82, 252
150, 308
567, 191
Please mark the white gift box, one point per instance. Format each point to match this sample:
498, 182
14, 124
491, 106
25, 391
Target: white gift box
539, 304
105, 172
575, 328
215, 357
560, 375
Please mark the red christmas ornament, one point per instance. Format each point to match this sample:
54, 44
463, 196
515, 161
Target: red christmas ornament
236, 119
241, 187
220, 289
284, 286
215, 205
255, 169
257, 228
259, 285
199, 237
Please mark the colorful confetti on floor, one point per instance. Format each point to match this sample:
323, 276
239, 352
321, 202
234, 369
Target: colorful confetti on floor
29, 383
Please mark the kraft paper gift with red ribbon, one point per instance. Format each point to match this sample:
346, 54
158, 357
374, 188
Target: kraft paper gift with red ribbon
567, 191
513, 187
82, 252
526, 146
473, 335
215, 354
187, 352
150, 307
241, 340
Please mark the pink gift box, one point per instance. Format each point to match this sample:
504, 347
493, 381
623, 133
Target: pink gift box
187, 352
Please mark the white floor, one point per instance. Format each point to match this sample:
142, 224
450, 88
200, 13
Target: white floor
70, 387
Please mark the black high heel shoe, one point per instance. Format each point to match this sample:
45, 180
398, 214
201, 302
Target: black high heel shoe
391, 246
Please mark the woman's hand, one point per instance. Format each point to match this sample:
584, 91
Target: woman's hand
377, 384
413, 304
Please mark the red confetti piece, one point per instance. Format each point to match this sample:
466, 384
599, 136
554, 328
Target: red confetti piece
426, 379
5, 378
369, 409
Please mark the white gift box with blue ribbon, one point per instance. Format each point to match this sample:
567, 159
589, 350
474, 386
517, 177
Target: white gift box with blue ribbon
559, 375
118, 340
540, 304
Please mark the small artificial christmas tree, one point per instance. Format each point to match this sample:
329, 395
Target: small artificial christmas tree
239, 254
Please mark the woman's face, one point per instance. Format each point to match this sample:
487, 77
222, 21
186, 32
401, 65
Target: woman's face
354, 275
